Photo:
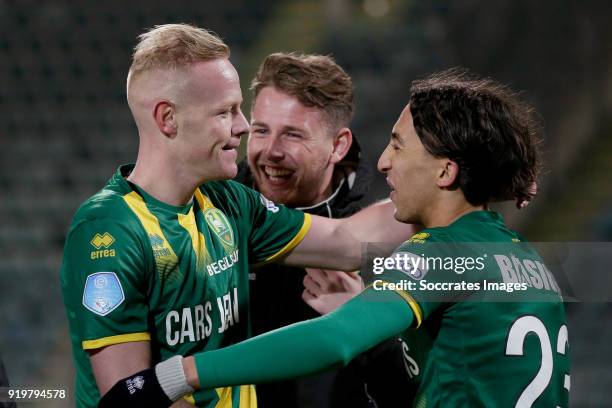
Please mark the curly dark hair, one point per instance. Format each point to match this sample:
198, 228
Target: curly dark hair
315, 80
485, 128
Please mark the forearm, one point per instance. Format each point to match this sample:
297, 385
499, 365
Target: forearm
298, 350
308, 347
337, 243
374, 224
111, 363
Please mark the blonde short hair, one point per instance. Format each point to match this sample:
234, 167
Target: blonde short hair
172, 46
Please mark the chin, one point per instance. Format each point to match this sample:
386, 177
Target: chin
404, 218
231, 170
398, 217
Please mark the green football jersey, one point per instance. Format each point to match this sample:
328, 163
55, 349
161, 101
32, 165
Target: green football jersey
494, 313
138, 269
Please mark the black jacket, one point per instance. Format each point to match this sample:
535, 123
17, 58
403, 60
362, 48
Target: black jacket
275, 301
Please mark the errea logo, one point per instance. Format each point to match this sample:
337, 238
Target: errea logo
419, 237
100, 241
156, 241
135, 383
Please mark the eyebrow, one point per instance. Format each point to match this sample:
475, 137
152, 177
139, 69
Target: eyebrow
284, 128
293, 129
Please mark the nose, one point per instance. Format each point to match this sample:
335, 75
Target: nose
274, 150
240, 127
384, 161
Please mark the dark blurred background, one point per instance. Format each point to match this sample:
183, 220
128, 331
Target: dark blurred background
66, 126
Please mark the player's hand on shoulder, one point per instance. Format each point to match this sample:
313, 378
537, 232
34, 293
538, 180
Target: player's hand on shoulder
326, 290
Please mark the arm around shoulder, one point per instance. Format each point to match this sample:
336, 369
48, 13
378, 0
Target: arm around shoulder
337, 243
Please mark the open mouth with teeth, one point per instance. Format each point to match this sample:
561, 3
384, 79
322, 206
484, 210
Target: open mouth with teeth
277, 175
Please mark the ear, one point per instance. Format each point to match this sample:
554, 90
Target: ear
342, 143
164, 114
449, 171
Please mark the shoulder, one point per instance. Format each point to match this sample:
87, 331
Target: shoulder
429, 235
223, 188
429, 242
230, 195
105, 204
106, 207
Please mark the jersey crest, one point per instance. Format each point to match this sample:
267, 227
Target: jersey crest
220, 225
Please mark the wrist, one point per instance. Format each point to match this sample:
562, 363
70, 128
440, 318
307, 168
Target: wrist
191, 373
172, 378
141, 389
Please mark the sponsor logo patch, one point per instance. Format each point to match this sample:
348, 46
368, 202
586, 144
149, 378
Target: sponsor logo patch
102, 242
220, 225
102, 293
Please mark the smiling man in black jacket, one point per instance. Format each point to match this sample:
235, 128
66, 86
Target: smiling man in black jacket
301, 153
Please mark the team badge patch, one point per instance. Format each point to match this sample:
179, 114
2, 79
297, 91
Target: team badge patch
103, 293
270, 206
220, 225
412, 265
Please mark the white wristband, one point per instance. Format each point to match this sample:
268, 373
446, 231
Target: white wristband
172, 378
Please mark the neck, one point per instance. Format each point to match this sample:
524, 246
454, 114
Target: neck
167, 183
446, 211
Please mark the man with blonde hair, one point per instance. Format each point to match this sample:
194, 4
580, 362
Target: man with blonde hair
156, 263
